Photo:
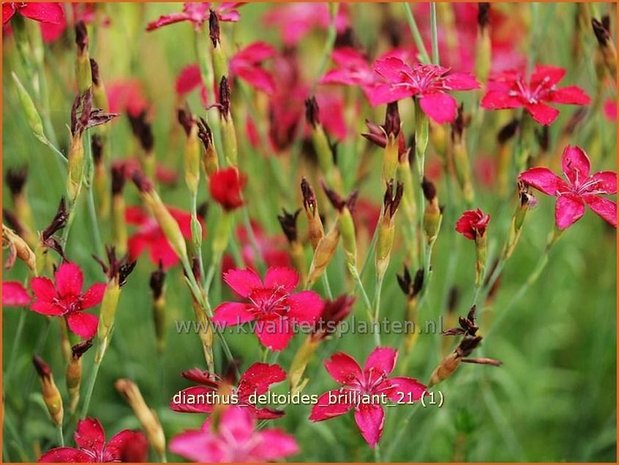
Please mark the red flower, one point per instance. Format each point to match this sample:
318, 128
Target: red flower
14, 294
362, 388
43, 12
245, 64
271, 304
610, 110
126, 446
198, 13
296, 20
150, 236
509, 89
428, 83
473, 224
235, 440
256, 380
189, 79
226, 186
579, 188
126, 96
65, 298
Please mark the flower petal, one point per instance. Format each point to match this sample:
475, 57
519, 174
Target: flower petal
570, 95
405, 390
342, 368
46, 308
43, 289
66, 455
575, 164
258, 378
242, 281
93, 296
499, 100
439, 106
89, 435
127, 446
606, 182
257, 77
370, 419
305, 306
549, 74
544, 181
166, 20
568, 210
232, 313
83, 324
382, 359
286, 278
542, 113
8, 10
274, 444
331, 404
605, 208
44, 12
461, 81
198, 446
274, 334
69, 279
195, 399
188, 79
14, 294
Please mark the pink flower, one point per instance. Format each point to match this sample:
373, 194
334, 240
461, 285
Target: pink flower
362, 388
14, 294
473, 224
226, 187
610, 110
42, 12
579, 188
245, 64
189, 79
509, 90
428, 83
65, 298
126, 446
271, 304
150, 236
126, 96
256, 380
296, 20
233, 440
198, 13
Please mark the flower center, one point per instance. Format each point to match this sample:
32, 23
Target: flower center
270, 303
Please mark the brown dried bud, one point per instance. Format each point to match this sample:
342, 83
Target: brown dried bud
508, 131
312, 112
333, 313
601, 29
142, 130
96, 144
411, 287
392, 120
309, 198
213, 27
483, 15
94, 68
288, 222
117, 269
391, 200
58, 222
337, 201
157, 281
81, 36
16, 179
225, 96
118, 179
186, 119
140, 180
429, 189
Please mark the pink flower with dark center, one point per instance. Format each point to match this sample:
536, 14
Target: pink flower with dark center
510, 89
234, 440
473, 224
126, 446
256, 380
14, 294
428, 83
64, 298
150, 236
271, 304
365, 390
296, 20
246, 65
42, 12
579, 188
198, 13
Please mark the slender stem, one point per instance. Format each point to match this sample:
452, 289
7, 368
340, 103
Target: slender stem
416, 34
252, 239
91, 387
377, 299
325, 282
16, 342
329, 45
364, 294
434, 27
60, 435
377, 455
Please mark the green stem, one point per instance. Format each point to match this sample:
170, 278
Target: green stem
416, 34
364, 294
91, 387
434, 27
60, 436
16, 342
325, 282
377, 299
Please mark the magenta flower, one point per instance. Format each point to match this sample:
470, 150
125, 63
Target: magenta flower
271, 304
509, 90
198, 13
579, 188
189, 79
14, 294
365, 390
246, 64
42, 12
428, 83
473, 224
256, 380
233, 440
64, 298
126, 446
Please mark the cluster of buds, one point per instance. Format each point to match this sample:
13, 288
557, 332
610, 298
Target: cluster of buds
460, 157
411, 286
333, 313
157, 286
321, 144
484, 46
433, 214
117, 272
73, 373
470, 341
345, 223
51, 394
145, 415
288, 223
386, 226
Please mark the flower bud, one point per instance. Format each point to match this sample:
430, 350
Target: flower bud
192, 150
607, 50
157, 286
310, 204
323, 254
220, 65
321, 143
119, 225
16, 180
483, 53
210, 160
526, 201
472, 225
421, 130
433, 215
83, 71
18, 248
345, 223
288, 223
51, 394
386, 226
461, 158
74, 373
30, 110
